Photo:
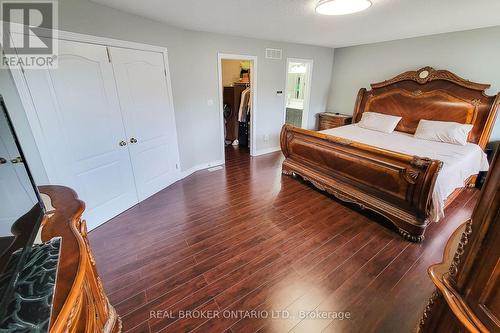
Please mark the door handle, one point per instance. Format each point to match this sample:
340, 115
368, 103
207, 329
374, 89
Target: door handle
3, 160
16, 160
133, 140
122, 143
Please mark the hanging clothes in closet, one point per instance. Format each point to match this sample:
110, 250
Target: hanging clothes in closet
245, 105
244, 116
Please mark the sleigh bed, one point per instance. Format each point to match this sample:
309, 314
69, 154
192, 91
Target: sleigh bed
396, 185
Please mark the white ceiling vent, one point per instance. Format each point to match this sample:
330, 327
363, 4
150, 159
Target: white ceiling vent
274, 54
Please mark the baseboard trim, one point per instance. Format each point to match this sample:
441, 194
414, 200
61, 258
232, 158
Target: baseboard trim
267, 151
199, 167
190, 171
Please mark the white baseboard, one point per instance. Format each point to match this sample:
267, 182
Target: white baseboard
267, 151
190, 171
199, 167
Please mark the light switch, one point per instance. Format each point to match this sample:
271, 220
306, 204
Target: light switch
210, 102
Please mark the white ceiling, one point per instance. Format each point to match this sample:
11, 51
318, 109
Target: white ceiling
296, 20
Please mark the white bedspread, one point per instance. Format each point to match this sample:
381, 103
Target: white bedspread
459, 162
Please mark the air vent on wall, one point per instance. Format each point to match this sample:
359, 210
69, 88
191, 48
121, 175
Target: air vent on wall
273, 54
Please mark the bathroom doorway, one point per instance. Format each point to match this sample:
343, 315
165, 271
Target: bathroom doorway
298, 91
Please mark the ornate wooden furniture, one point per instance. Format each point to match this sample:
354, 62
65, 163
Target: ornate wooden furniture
331, 120
396, 185
80, 304
467, 296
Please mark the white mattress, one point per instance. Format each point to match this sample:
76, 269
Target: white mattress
459, 162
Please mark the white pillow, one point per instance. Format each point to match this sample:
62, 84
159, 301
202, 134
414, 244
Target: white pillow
379, 122
443, 131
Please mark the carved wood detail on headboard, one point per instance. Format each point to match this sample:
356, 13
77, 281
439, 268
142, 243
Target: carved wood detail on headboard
432, 95
428, 74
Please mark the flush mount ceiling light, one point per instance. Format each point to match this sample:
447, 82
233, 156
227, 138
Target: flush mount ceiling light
341, 7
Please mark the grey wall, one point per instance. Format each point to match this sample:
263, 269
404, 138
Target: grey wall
473, 55
193, 67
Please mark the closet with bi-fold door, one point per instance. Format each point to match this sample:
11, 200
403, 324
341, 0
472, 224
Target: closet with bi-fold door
105, 126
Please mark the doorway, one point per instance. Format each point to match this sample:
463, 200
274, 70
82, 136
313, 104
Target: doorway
298, 92
237, 95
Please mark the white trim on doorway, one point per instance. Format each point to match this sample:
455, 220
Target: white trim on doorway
253, 87
307, 95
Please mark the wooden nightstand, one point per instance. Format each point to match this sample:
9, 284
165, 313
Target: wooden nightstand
331, 120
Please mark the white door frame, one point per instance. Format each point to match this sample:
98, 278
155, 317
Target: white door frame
307, 95
253, 87
30, 110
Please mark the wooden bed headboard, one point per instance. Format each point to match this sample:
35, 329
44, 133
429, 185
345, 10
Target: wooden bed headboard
432, 95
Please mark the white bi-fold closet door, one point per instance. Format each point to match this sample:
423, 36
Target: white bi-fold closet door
148, 117
105, 119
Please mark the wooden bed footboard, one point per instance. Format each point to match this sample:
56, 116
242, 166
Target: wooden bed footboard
395, 185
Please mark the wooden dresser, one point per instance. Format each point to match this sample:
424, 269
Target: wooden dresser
331, 120
467, 296
80, 304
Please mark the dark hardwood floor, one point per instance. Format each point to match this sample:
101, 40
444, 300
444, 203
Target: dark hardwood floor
247, 238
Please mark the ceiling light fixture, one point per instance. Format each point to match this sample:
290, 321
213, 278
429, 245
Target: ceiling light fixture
341, 7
